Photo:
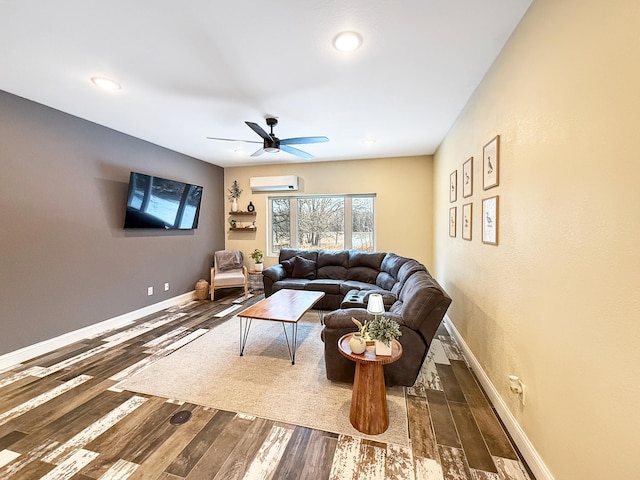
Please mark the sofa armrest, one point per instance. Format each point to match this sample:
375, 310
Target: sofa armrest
272, 275
275, 273
341, 318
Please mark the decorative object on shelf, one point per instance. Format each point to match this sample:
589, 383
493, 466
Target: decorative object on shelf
453, 186
357, 343
258, 256
467, 178
251, 208
490, 220
467, 218
202, 289
490, 158
452, 221
383, 331
233, 223
234, 193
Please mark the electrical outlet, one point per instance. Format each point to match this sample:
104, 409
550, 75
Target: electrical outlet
166, 286
149, 290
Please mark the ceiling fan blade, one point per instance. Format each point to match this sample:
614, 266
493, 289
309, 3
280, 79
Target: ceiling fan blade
258, 152
259, 130
301, 140
232, 140
296, 152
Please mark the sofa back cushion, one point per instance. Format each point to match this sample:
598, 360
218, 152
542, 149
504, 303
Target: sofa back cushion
287, 253
332, 264
422, 304
364, 266
407, 269
389, 269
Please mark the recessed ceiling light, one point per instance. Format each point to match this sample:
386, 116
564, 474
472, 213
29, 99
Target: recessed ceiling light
368, 141
106, 83
238, 151
347, 41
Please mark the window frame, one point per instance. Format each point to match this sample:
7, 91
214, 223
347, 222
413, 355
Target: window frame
293, 218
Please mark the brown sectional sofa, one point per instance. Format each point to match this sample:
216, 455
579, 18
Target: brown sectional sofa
347, 277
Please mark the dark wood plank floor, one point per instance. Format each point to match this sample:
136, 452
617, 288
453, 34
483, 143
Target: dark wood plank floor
62, 418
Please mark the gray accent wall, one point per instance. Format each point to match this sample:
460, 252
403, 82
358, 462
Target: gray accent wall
65, 260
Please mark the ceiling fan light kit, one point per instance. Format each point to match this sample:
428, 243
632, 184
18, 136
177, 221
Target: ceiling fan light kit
272, 144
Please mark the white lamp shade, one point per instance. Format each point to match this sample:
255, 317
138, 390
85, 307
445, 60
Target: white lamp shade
375, 306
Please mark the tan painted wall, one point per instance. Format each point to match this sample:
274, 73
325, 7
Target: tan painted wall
404, 208
558, 301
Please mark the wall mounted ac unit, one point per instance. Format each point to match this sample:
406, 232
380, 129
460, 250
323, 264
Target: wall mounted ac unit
281, 183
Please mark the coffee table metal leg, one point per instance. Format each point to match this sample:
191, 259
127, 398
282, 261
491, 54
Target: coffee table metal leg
292, 349
245, 325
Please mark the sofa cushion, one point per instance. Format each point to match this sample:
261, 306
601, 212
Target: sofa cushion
303, 268
362, 274
347, 285
290, 283
385, 281
326, 285
371, 260
406, 270
332, 264
419, 295
287, 253
391, 264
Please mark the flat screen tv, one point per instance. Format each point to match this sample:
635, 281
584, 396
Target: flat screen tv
155, 202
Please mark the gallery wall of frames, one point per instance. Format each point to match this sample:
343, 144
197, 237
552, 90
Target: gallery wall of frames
461, 184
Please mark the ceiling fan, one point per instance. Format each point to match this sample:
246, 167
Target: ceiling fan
272, 144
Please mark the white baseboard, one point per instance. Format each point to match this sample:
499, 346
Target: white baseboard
46, 346
520, 438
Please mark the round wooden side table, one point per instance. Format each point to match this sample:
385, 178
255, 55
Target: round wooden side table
369, 411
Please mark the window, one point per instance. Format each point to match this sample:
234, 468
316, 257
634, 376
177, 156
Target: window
327, 222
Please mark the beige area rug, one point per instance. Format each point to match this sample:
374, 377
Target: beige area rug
209, 371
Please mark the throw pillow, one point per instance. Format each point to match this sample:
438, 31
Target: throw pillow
288, 265
303, 268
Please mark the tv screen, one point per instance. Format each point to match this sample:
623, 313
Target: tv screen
155, 202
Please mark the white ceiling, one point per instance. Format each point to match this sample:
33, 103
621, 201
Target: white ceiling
198, 68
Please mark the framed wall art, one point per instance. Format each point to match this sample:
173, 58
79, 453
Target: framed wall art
490, 161
467, 178
452, 221
453, 186
490, 220
467, 219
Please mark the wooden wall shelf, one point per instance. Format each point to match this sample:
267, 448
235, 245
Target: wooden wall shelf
244, 229
252, 214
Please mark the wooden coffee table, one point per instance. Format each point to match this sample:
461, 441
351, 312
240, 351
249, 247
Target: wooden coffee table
285, 306
369, 411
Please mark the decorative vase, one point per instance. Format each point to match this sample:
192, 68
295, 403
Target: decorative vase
357, 343
259, 266
234, 205
382, 349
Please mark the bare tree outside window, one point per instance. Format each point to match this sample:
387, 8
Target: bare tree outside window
362, 226
322, 222
280, 224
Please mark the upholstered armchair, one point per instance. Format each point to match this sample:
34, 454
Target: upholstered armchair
228, 271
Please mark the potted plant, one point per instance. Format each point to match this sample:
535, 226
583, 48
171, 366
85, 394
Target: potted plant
234, 194
258, 257
383, 330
